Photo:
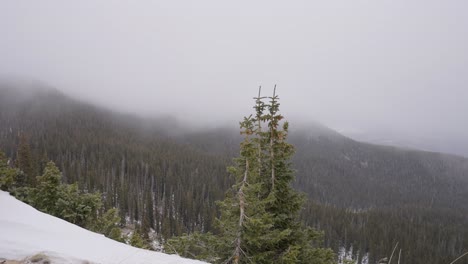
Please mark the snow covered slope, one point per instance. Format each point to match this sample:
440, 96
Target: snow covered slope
25, 232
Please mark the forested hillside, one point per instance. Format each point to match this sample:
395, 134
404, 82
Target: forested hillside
147, 175
168, 179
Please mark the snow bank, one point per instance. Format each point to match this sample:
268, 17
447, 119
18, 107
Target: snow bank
24, 232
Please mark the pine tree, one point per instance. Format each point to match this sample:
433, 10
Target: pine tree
136, 240
8, 176
63, 200
25, 162
108, 225
45, 196
259, 220
260, 214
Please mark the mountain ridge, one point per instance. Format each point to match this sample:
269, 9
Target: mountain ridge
172, 179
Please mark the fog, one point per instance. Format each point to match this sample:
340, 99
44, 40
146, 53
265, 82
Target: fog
368, 69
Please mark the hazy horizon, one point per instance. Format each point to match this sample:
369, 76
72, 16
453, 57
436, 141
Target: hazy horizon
376, 69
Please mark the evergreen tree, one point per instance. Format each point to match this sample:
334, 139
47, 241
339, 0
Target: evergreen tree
77, 207
136, 240
45, 196
269, 229
63, 200
108, 224
259, 221
8, 176
196, 245
25, 162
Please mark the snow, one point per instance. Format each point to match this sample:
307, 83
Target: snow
25, 232
351, 255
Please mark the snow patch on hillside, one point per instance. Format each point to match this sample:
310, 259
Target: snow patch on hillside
351, 255
25, 232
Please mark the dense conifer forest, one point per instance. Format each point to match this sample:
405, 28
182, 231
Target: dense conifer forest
163, 177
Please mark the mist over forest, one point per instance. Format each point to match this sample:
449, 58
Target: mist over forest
244, 132
181, 123
393, 71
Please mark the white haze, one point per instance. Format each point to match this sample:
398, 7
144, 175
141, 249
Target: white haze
361, 67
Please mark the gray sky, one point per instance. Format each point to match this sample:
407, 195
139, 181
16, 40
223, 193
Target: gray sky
352, 65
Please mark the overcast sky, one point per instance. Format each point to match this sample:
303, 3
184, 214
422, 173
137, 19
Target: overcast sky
352, 65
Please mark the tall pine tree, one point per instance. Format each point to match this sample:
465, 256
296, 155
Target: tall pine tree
259, 220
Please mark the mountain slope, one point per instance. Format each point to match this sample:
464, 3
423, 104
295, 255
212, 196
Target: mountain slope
333, 169
136, 164
346, 173
26, 232
168, 179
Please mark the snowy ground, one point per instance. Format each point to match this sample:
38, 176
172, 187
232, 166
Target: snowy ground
25, 232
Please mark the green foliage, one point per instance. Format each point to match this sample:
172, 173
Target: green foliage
46, 194
197, 245
77, 207
62, 200
136, 240
69, 203
376, 231
108, 224
25, 162
8, 175
259, 220
270, 230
